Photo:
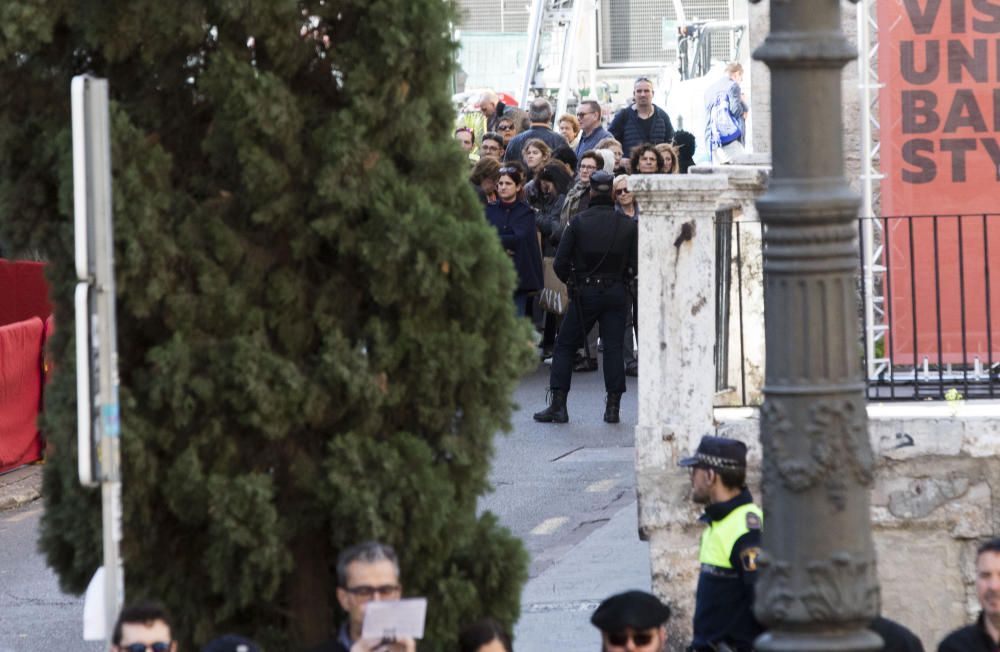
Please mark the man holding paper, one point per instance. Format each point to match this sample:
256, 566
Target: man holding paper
368, 573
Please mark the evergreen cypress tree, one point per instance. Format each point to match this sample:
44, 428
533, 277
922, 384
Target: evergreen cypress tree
315, 326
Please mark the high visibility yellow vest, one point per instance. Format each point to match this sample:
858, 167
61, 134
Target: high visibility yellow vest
719, 537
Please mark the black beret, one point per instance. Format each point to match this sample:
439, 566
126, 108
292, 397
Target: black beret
718, 453
231, 643
602, 182
635, 609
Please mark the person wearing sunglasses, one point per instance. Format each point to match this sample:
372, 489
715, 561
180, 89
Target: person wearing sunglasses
730, 545
592, 130
143, 627
635, 621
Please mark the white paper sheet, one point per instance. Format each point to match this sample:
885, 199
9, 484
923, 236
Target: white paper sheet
395, 619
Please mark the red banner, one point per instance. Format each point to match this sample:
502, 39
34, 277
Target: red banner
939, 61
939, 110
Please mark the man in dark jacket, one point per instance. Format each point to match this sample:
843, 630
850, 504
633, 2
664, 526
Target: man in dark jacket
492, 109
984, 634
597, 256
540, 115
643, 122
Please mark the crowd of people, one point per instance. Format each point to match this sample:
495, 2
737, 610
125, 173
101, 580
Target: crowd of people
535, 174
634, 621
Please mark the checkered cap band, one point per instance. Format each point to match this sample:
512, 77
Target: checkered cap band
718, 462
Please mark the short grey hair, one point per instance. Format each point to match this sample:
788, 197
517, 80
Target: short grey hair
540, 110
368, 552
488, 96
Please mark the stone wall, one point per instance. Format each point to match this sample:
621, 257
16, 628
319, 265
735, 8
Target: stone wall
936, 497
937, 488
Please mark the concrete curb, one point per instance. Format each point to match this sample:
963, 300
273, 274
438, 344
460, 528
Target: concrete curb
20, 487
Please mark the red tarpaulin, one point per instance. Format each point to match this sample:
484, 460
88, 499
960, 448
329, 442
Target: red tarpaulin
23, 291
20, 392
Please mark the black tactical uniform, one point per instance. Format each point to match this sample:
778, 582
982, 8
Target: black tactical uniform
597, 256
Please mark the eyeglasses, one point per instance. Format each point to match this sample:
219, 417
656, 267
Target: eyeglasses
504, 127
159, 646
620, 639
368, 592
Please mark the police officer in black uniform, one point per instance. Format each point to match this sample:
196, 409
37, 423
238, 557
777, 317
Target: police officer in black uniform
597, 257
730, 544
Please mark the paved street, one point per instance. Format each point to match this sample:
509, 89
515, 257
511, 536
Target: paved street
567, 490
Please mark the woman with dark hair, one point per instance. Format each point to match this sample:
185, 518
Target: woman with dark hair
684, 142
484, 635
646, 160
514, 221
484, 179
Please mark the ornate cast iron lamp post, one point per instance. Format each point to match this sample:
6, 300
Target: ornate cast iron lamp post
818, 588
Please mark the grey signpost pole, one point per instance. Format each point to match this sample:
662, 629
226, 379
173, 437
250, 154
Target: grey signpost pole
818, 588
97, 351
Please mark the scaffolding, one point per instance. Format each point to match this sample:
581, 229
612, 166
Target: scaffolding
872, 236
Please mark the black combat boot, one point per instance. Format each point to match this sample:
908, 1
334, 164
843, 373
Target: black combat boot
556, 412
612, 406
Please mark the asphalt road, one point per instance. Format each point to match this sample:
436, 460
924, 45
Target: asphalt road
35, 616
556, 483
553, 486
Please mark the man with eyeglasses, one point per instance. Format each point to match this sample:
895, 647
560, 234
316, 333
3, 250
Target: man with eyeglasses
643, 122
591, 129
492, 146
634, 621
366, 572
143, 627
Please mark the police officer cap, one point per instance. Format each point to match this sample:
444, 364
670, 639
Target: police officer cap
601, 182
718, 453
231, 643
635, 609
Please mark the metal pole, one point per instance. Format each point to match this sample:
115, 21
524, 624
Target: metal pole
95, 270
867, 203
818, 588
534, 36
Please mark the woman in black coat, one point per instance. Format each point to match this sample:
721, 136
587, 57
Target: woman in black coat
514, 221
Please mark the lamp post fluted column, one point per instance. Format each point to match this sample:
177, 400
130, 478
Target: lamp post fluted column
818, 588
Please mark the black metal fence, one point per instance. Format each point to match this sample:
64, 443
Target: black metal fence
931, 306
928, 304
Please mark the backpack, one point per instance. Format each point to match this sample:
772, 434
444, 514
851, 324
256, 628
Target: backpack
725, 127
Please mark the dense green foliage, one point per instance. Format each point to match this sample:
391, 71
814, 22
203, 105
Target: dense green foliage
316, 335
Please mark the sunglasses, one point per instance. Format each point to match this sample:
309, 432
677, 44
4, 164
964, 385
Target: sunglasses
159, 646
620, 639
622, 191
504, 127
584, 114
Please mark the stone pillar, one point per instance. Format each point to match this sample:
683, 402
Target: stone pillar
818, 587
676, 357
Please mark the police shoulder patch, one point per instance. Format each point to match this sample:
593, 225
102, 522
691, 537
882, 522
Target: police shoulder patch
748, 558
753, 521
